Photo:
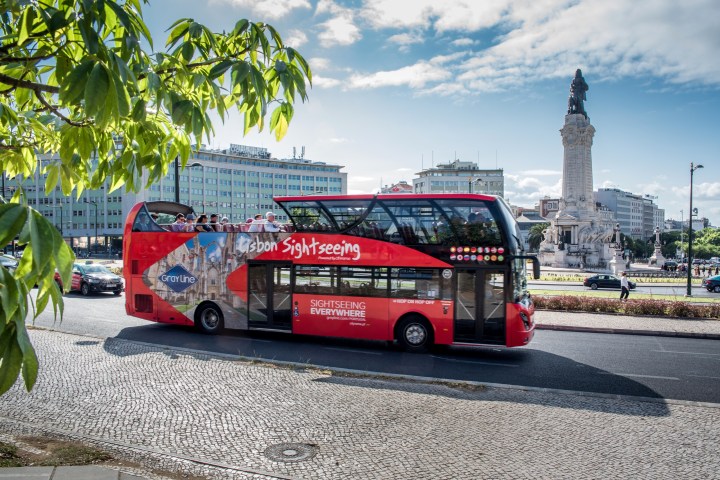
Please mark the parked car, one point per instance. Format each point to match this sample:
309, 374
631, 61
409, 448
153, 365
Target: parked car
93, 278
605, 281
669, 264
9, 262
712, 284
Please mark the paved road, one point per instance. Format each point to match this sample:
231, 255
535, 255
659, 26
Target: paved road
676, 368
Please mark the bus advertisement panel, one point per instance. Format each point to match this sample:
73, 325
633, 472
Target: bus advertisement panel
327, 279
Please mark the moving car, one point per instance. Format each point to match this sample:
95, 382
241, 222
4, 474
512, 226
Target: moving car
605, 281
93, 278
712, 284
9, 262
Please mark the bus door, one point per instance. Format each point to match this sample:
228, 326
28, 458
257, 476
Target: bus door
479, 306
269, 298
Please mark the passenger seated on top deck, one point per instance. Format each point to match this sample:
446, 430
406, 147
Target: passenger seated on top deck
201, 224
270, 224
180, 224
257, 225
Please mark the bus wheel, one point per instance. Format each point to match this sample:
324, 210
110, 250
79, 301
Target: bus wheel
209, 319
414, 334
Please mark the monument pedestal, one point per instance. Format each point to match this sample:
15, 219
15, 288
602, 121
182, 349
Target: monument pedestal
617, 264
657, 257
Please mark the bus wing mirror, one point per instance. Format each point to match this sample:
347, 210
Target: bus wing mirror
536, 268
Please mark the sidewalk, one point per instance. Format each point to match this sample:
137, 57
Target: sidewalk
196, 414
607, 323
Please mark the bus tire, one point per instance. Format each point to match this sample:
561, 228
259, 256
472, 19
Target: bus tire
209, 319
414, 334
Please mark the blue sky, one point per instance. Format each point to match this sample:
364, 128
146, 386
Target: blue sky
399, 85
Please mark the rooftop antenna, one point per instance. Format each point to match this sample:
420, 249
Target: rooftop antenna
302, 152
293, 153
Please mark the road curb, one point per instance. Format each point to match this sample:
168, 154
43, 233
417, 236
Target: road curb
627, 331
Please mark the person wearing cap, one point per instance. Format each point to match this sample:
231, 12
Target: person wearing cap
270, 224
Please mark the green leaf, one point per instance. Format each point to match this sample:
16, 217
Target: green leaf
139, 112
180, 111
11, 360
29, 358
12, 220
72, 89
219, 69
96, 89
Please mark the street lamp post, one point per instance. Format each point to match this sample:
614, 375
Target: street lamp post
192, 165
177, 179
693, 167
94, 203
61, 217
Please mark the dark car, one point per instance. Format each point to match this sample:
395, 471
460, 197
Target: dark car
712, 284
605, 281
94, 278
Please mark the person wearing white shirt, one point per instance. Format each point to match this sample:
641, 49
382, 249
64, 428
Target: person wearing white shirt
270, 224
257, 224
624, 287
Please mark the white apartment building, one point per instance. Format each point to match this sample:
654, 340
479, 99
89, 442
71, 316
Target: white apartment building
637, 215
460, 177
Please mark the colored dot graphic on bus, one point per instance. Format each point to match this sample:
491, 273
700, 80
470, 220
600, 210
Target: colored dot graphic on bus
500, 258
452, 249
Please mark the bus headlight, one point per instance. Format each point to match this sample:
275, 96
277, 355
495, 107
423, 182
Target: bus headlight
526, 320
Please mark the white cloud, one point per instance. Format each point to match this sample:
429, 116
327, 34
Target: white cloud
325, 82
525, 191
462, 42
415, 76
295, 38
406, 39
319, 63
676, 41
272, 9
542, 173
338, 30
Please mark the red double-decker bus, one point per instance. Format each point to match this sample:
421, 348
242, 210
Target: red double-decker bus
413, 268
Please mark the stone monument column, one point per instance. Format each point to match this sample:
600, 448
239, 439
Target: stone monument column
577, 188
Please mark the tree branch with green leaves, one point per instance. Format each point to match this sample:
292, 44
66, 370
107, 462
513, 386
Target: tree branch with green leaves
78, 89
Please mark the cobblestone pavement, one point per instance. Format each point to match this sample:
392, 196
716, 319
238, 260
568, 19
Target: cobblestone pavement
222, 418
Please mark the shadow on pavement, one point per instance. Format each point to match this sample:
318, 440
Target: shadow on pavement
517, 367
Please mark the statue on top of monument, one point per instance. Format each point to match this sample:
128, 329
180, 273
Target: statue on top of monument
578, 87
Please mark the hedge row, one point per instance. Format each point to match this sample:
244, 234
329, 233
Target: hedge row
629, 307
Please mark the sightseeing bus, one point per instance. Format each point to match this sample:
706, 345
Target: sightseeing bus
418, 269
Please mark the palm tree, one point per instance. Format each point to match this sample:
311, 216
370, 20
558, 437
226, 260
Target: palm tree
535, 236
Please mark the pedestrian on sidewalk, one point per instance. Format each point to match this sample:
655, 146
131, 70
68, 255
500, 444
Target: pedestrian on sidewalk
624, 287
